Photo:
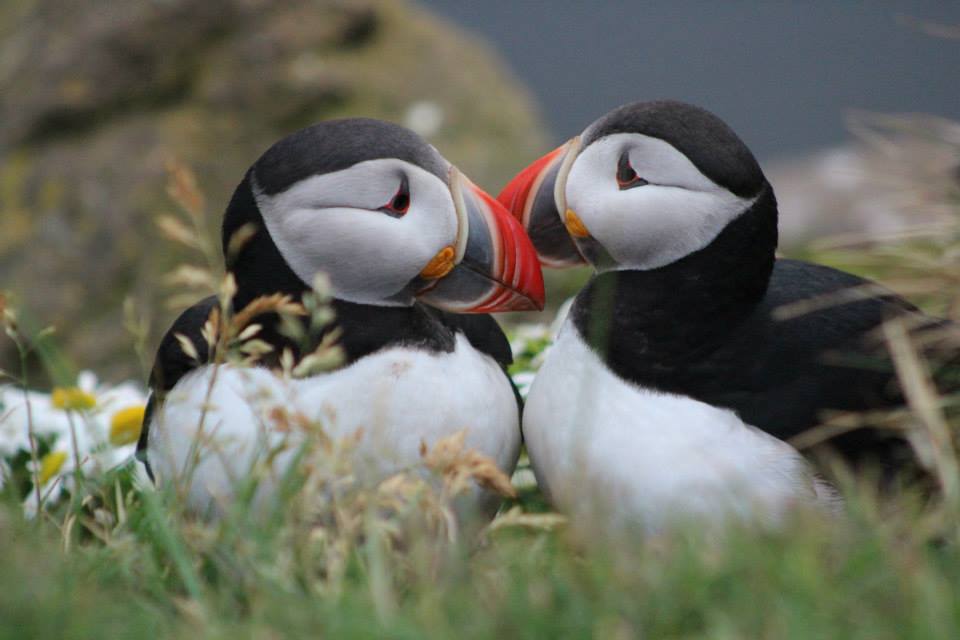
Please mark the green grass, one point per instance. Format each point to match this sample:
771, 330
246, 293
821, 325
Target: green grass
886, 569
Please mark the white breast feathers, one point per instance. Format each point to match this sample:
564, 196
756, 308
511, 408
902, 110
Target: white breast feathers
394, 399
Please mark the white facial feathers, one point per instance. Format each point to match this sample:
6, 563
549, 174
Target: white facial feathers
679, 212
332, 223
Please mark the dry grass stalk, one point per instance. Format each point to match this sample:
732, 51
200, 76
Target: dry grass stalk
828, 300
841, 422
239, 239
190, 276
458, 466
173, 229
187, 346
227, 290
280, 303
517, 517
328, 355
211, 328
182, 189
936, 450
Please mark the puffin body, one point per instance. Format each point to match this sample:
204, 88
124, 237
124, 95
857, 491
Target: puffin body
604, 447
394, 399
681, 370
410, 246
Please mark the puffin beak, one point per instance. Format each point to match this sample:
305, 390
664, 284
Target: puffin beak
537, 198
493, 265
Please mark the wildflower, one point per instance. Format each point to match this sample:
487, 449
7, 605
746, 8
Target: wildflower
104, 436
72, 399
50, 465
125, 425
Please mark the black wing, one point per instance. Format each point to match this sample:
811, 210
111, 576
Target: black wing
172, 363
781, 374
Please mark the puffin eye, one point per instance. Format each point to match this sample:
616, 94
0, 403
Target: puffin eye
627, 178
400, 201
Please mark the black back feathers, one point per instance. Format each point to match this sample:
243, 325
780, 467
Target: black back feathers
334, 145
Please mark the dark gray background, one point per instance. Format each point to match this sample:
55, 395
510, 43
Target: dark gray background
783, 74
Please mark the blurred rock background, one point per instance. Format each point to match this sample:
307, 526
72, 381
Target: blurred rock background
97, 96
899, 172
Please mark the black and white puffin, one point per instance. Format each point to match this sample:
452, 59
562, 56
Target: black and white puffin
673, 384
395, 227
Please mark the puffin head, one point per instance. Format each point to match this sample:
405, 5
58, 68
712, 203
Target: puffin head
385, 216
642, 187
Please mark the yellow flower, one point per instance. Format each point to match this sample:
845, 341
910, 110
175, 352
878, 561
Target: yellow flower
125, 425
50, 464
72, 399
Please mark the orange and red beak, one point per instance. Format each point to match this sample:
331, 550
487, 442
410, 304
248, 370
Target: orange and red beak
535, 198
493, 266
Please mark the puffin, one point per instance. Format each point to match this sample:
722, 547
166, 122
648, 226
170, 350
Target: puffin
416, 257
693, 354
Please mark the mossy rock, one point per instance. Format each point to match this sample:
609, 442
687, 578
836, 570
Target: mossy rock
99, 96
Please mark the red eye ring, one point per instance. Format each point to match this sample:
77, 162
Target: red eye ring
400, 202
627, 178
